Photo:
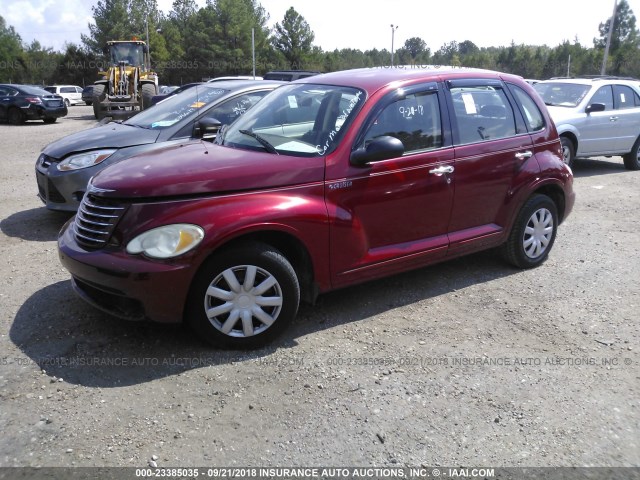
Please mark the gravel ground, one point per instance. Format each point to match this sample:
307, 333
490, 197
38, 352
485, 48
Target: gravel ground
469, 362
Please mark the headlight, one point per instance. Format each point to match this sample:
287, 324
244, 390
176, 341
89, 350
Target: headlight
167, 242
84, 160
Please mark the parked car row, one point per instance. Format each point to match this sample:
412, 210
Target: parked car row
322, 183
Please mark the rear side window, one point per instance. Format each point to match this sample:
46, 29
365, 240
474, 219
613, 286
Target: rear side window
532, 115
67, 90
482, 113
413, 119
625, 97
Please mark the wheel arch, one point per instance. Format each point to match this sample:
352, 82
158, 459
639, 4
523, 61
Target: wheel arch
555, 193
288, 245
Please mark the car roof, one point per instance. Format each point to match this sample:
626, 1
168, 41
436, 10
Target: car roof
374, 78
593, 80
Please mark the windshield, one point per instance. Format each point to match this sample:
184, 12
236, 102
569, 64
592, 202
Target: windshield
177, 107
303, 120
131, 53
562, 94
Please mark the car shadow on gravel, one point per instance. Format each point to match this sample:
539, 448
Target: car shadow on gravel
591, 167
71, 340
36, 225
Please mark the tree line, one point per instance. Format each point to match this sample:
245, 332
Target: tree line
191, 44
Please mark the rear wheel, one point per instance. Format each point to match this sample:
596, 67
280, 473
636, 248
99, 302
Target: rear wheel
67, 103
533, 233
16, 117
632, 159
243, 297
49, 120
98, 96
568, 151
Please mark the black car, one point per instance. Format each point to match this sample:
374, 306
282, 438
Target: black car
87, 94
19, 103
289, 75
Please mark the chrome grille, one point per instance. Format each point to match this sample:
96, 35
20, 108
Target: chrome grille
95, 221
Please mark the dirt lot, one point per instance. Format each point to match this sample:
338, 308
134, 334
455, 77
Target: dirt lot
465, 363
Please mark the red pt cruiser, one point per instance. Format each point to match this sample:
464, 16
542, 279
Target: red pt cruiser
329, 181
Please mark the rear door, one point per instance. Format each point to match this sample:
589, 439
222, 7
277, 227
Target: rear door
492, 147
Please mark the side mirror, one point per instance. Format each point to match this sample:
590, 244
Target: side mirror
595, 107
206, 128
380, 148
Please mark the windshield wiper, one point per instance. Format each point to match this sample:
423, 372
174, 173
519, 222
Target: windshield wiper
267, 146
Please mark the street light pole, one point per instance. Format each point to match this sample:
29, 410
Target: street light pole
393, 31
606, 48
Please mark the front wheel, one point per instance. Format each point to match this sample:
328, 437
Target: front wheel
243, 297
568, 151
533, 233
632, 159
99, 95
148, 91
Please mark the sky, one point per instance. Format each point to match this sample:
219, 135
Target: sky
365, 24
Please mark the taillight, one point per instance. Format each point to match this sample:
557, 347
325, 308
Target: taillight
33, 100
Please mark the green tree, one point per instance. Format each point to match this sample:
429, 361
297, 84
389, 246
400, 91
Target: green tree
12, 62
625, 40
294, 38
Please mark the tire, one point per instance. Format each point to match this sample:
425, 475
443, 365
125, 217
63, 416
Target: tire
632, 159
98, 96
238, 318
88, 103
568, 151
49, 120
533, 233
15, 116
67, 103
148, 90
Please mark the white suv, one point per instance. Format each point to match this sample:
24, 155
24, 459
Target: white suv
72, 94
597, 116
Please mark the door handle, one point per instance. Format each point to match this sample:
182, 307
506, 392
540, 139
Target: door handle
524, 155
441, 170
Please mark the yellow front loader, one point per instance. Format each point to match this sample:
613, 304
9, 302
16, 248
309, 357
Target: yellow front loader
128, 84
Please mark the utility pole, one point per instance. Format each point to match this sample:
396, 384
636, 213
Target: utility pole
393, 31
606, 48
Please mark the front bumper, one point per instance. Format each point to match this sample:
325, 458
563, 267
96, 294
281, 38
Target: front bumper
126, 286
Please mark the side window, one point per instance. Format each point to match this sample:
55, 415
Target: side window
413, 119
532, 115
228, 111
625, 97
67, 90
482, 113
603, 95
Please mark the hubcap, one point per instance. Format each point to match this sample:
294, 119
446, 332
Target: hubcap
566, 154
243, 301
538, 233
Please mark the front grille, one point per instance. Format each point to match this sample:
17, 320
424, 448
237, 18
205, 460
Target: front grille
54, 195
95, 221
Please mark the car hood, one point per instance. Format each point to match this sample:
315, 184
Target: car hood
564, 114
110, 135
198, 167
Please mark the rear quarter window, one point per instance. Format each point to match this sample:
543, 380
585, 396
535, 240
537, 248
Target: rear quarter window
532, 115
